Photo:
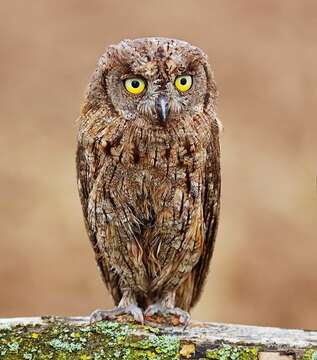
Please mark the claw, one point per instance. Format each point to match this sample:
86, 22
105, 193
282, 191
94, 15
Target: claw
112, 314
182, 315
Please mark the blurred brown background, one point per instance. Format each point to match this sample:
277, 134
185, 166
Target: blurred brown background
264, 55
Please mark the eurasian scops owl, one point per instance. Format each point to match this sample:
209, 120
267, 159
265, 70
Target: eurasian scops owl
149, 174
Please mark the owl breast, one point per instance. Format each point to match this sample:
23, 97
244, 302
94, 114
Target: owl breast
147, 201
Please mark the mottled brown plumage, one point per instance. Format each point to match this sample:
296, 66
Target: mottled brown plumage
150, 187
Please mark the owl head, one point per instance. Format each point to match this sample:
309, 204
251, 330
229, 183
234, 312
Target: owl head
153, 79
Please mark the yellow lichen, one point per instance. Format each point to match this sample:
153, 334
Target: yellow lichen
187, 350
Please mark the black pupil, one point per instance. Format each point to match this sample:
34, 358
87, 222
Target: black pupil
183, 81
135, 84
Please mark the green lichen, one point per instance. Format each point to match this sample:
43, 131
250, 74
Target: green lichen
310, 354
64, 345
103, 340
228, 352
27, 356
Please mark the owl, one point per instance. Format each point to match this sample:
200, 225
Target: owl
149, 175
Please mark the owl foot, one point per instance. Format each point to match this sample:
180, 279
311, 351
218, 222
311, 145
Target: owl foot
117, 312
175, 316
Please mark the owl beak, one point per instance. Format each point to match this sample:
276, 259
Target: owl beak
162, 107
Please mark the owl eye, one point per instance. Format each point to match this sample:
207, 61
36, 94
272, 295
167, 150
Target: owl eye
183, 83
134, 85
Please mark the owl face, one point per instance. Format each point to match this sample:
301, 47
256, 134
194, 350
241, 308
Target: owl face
153, 79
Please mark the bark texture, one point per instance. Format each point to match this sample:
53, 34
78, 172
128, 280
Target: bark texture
75, 338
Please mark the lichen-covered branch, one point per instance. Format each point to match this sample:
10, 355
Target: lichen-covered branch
75, 338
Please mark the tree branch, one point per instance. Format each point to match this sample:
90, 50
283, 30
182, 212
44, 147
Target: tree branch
75, 338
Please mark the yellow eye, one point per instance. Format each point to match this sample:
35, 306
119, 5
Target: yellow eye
134, 85
183, 82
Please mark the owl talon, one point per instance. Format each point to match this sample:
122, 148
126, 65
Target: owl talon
155, 309
113, 314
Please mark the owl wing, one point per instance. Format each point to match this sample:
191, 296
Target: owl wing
86, 176
211, 207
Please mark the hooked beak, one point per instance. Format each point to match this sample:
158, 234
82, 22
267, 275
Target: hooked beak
162, 108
